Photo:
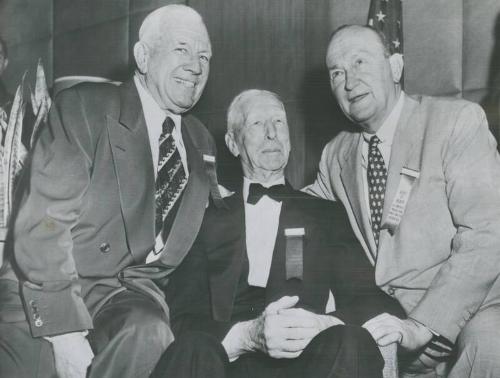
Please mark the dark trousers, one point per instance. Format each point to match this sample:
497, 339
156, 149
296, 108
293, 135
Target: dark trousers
340, 351
130, 334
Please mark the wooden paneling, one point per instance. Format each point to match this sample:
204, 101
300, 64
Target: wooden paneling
256, 44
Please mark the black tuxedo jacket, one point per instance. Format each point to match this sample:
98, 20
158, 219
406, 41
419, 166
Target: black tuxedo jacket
201, 292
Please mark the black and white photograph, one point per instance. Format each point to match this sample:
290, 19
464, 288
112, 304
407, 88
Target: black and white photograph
249, 189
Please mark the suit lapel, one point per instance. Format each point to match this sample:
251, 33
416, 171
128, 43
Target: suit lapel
352, 179
133, 164
192, 207
226, 251
404, 153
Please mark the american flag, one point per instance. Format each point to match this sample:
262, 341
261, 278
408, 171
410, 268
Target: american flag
387, 16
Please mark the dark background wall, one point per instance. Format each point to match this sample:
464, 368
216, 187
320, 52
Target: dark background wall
451, 47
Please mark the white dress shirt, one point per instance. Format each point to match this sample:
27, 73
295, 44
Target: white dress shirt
154, 117
261, 225
386, 136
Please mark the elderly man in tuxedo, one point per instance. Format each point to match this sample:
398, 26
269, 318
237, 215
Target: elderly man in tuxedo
420, 178
114, 197
249, 299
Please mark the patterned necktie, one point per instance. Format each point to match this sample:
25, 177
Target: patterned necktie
171, 178
377, 177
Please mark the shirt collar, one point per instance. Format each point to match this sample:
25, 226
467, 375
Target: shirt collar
388, 128
152, 111
247, 182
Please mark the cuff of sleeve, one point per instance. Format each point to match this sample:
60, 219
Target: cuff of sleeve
54, 312
53, 339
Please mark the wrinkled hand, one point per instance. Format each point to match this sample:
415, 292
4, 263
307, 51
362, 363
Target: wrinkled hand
387, 329
72, 355
283, 331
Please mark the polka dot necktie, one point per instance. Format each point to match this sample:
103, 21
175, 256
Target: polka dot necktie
171, 178
377, 177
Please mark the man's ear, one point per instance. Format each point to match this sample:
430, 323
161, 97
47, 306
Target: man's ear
141, 55
396, 62
231, 144
4, 66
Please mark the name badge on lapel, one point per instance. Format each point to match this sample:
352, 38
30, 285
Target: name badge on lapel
294, 252
398, 206
209, 161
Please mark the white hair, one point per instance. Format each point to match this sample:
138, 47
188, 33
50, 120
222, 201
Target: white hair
153, 27
236, 112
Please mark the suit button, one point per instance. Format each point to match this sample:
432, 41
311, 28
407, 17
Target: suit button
105, 247
391, 290
38, 322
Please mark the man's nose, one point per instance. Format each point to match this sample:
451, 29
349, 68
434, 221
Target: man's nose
270, 130
193, 65
350, 80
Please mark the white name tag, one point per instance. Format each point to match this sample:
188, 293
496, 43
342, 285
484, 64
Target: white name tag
209, 158
398, 206
294, 232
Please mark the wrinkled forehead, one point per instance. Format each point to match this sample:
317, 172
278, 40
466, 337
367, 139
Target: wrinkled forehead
175, 24
182, 33
353, 41
262, 105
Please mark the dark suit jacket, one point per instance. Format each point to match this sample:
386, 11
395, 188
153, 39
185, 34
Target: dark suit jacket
87, 216
5, 98
201, 292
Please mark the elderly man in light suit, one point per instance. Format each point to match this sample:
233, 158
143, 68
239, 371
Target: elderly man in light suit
116, 192
420, 179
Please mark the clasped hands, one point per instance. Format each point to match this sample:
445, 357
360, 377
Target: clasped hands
281, 331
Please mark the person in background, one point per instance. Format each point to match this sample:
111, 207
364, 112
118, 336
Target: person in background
420, 180
115, 193
5, 96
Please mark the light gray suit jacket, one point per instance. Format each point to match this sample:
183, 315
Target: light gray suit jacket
443, 260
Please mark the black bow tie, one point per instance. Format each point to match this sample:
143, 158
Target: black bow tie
256, 191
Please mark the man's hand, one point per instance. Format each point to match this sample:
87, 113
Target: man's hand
387, 329
284, 332
72, 354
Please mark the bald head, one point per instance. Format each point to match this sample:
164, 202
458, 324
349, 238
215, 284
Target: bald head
380, 38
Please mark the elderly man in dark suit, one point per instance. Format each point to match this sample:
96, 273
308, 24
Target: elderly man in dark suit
253, 289
116, 192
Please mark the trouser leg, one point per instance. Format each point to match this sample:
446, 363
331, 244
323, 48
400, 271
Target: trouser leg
193, 355
22, 356
478, 346
130, 334
341, 351
338, 352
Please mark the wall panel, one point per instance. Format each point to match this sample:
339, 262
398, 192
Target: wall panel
433, 46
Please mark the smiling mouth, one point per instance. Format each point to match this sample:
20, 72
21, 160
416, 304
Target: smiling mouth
186, 83
270, 151
357, 98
